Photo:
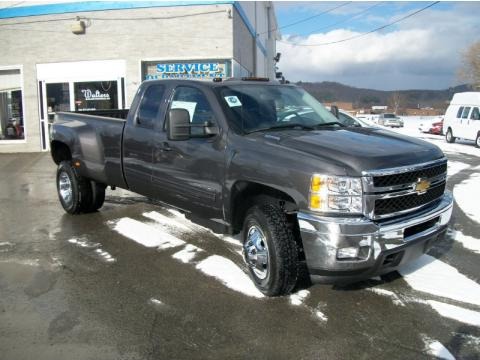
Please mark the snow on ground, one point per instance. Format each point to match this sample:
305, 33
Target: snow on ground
395, 298
83, 242
227, 272
455, 312
460, 146
145, 234
166, 221
320, 315
188, 253
432, 276
154, 236
436, 349
104, 255
299, 297
454, 167
468, 242
467, 196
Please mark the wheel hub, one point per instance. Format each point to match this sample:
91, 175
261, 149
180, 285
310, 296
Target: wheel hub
65, 188
256, 252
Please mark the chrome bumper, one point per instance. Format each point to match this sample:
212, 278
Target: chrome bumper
382, 246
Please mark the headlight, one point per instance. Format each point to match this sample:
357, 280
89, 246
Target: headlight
336, 194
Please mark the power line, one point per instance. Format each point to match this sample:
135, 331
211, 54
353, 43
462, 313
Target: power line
366, 33
345, 20
306, 19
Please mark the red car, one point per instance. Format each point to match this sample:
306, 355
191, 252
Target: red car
435, 128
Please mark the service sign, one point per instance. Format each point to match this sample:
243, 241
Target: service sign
185, 70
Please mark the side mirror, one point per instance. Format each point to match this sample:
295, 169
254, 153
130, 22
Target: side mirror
334, 110
178, 125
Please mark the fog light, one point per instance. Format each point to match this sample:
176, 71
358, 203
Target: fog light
347, 253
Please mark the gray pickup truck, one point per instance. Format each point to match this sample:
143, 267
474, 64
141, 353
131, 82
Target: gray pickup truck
268, 161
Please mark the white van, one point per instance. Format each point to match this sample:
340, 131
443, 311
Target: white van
462, 119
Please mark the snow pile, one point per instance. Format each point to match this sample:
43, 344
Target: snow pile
454, 167
229, 274
146, 235
299, 297
395, 298
187, 254
436, 349
468, 242
465, 198
435, 277
455, 312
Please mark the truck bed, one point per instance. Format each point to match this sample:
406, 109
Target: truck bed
97, 141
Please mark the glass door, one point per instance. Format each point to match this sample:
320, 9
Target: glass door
54, 97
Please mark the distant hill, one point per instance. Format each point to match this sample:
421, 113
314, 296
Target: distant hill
332, 91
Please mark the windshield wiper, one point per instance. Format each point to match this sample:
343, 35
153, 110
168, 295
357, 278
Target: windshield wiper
285, 126
330, 124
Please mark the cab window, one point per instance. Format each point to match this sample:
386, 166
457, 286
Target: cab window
195, 102
459, 112
150, 106
466, 110
475, 114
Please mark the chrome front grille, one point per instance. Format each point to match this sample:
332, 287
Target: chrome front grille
409, 177
401, 203
397, 191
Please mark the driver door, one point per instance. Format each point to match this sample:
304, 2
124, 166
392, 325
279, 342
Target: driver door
189, 173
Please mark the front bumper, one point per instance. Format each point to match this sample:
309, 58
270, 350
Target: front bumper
383, 246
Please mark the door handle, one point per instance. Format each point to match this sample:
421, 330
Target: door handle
165, 147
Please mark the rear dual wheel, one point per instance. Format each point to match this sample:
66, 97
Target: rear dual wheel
78, 194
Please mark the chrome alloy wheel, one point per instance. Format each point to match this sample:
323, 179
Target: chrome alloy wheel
65, 188
256, 252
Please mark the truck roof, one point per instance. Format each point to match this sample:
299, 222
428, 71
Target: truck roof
466, 98
226, 82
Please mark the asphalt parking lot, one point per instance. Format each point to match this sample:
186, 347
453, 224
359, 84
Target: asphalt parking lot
85, 287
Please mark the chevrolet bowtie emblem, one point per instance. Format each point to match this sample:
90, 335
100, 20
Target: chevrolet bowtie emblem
421, 186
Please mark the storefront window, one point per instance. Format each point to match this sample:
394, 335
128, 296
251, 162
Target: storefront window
11, 107
58, 99
96, 95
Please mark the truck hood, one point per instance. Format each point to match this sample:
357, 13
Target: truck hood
356, 149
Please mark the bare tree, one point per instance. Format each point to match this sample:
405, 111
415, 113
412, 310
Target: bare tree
470, 68
396, 101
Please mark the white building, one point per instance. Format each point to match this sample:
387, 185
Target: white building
73, 56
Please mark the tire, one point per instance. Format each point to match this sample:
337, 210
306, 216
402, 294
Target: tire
98, 196
267, 225
477, 141
74, 191
449, 138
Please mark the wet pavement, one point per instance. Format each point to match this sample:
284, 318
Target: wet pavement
84, 287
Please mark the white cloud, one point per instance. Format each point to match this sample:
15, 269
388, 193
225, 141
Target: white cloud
422, 52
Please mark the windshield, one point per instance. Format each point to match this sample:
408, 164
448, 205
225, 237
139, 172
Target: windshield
389, 116
264, 107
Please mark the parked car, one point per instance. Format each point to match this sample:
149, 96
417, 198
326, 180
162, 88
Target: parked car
432, 127
390, 120
462, 118
350, 120
270, 162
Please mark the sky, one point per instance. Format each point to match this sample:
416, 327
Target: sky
421, 52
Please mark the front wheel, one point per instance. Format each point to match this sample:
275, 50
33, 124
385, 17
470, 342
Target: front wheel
270, 250
477, 141
449, 136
